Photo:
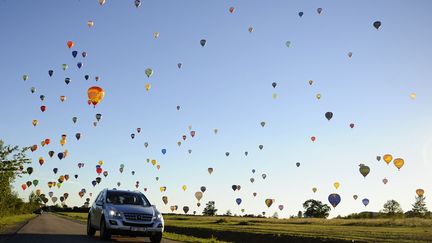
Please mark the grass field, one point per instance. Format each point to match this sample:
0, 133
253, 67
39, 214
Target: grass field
15, 219
366, 230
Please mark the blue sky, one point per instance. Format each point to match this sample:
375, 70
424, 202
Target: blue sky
225, 85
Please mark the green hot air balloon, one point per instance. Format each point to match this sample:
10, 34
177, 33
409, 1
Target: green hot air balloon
364, 170
149, 72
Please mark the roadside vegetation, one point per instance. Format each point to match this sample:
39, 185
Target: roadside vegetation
12, 220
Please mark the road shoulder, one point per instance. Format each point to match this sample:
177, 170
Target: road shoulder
10, 230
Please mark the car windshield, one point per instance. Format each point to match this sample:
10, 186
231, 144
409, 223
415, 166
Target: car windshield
127, 198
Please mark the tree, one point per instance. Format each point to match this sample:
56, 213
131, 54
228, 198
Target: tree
392, 207
228, 213
419, 207
12, 161
300, 214
315, 209
210, 209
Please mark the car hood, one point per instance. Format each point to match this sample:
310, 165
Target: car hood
133, 209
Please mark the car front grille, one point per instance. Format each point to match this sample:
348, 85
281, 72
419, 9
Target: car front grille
137, 224
138, 217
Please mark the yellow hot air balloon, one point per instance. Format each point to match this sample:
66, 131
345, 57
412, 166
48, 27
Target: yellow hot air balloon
153, 162
90, 23
413, 96
156, 35
158, 167
388, 158
314, 189
184, 187
162, 188
420, 192
95, 94
318, 96
62, 142
398, 163
147, 86
35, 122
336, 185
100, 162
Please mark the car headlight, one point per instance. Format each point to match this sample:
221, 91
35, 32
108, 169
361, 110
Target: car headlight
113, 213
157, 216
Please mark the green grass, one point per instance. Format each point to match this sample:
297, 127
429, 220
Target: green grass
8, 221
384, 230
186, 238
77, 216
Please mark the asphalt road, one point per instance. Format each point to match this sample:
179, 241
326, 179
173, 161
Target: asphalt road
51, 228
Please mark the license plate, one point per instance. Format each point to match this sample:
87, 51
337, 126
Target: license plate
141, 229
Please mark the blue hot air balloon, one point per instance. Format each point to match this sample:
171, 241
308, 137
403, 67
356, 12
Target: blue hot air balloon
79, 65
55, 170
94, 183
60, 155
50, 73
365, 202
163, 151
74, 53
86, 77
203, 42
238, 201
334, 199
300, 14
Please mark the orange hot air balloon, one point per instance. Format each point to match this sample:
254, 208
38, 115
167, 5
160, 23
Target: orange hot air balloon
62, 98
388, 158
95, 94
398, 163
420, 192
70, 44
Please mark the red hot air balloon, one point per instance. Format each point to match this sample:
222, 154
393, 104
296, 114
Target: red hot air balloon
70, 44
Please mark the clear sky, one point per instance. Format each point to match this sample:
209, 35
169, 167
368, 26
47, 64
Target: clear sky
226, 85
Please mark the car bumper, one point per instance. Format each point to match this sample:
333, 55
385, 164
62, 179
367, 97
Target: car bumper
120, 227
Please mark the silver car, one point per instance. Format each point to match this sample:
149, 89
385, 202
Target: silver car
117, 212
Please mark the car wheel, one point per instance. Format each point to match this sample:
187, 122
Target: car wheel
90, 230
156, 238
104, 233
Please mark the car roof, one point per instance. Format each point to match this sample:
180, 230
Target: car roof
125, 191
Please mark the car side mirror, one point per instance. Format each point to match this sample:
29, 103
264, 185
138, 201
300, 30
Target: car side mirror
99, 203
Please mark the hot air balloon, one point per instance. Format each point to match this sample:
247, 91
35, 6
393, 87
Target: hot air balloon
329, 115
156, 35
203, 189
378, 158
101, 2
51, 153
238, 201
90, 23
288, 43
314, 189
365, 201
413, 96
334, 199
377, 24
30, 170
352, 125
70, 44
254, 194
385, 180
64, 67
313, 138
184, 187
35, 122
420, 192
318, 96
34, 148
32, 90
41, 161
43, 108
50, 73
350, 54
79, 64
164, 151
251, 29
252, 180
62, 98
231, 9
364, 170
67, 80
98, 117
388, 158
86, 77
147, 86
398, 163
133, 136
260, 147
60, 155
336, 185
185, 209
84, 54
300, 14
97, 78
298, 164
55, 170
95, 95
263, 176
319, 10
355, 197
149, 72
227, 154
74, 53
203, 42
179, 65
210, 170
24, 186
274, 84
165, 199
269, 202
